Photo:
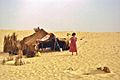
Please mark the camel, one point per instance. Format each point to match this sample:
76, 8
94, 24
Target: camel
18, 59
10, 44
13, 46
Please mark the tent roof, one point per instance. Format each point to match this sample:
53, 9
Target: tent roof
35, 36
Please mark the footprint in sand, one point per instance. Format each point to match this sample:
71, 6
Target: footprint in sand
71, 73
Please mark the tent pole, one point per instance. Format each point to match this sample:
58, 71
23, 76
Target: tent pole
42, 46
56, 42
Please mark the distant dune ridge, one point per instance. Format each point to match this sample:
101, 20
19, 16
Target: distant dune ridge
95, 50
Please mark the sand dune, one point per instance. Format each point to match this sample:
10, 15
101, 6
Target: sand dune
94, 50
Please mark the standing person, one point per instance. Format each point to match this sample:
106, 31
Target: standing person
73, 46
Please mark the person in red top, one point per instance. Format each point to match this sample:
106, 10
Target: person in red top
73, 46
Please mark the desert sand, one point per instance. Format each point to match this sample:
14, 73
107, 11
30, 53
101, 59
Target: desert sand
95, 49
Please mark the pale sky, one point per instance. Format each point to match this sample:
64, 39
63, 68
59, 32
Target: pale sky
61, 15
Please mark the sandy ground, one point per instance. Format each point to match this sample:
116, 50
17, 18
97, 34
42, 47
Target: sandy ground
94, 50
